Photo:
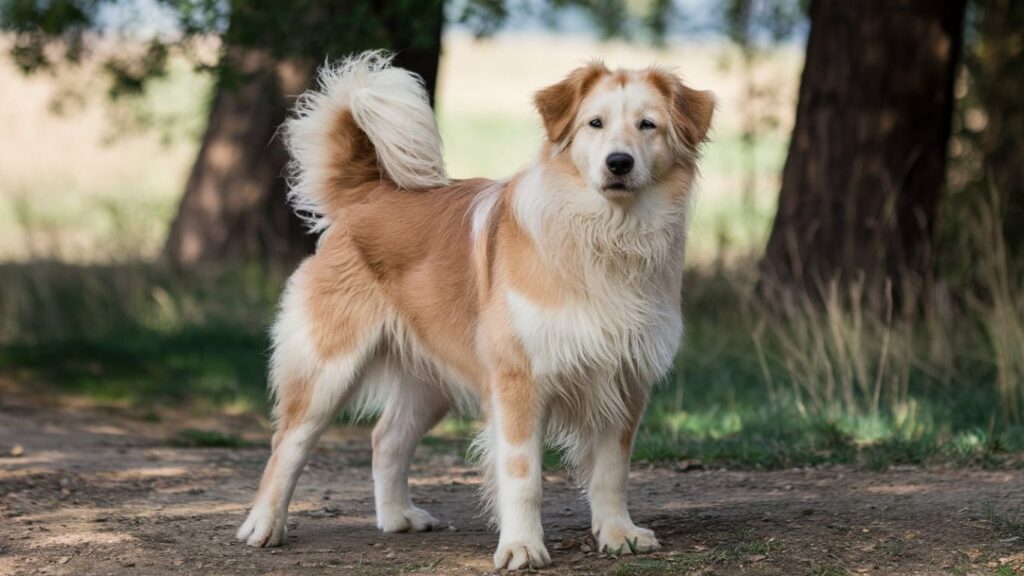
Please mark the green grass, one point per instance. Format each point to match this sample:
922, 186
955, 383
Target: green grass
193, 438
643, 567
1008, 526
139, 334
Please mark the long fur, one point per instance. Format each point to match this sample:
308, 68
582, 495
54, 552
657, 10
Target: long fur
550, 299
390, 105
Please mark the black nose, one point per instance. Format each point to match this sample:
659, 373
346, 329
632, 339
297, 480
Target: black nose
619, 163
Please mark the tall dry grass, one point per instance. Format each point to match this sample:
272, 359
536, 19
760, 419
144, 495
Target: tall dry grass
845, 352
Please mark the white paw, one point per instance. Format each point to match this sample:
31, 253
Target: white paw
622, 538
411, 519
263, 528
518, 555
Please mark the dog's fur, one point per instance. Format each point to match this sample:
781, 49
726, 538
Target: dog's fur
551, 300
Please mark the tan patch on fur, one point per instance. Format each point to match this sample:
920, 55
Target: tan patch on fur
353, 164
517, 397
342, 299
270, 490
558, 104
418, 245
691, 110
522, 267
517, 466
514, 389
295, 396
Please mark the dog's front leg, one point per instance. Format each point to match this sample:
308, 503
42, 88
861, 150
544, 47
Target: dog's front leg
517, 429
608, 467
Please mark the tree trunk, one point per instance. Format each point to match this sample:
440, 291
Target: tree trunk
997, 63
864, 175
234, 207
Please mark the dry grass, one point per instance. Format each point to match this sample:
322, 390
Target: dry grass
71, 186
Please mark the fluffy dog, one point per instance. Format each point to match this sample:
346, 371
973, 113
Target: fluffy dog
550, 300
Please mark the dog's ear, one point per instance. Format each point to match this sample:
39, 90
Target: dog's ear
559, 103
691, 114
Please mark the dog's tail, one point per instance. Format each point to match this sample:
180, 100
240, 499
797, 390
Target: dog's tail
364, 122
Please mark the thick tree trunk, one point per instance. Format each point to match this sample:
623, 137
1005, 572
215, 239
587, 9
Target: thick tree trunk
234, 206
997, 63
864, 176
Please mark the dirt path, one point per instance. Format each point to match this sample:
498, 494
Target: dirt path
96, 491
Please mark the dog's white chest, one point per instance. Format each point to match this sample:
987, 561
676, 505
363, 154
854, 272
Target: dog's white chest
598, 336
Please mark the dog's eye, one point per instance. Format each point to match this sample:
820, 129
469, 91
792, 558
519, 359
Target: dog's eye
646, 124
596, 123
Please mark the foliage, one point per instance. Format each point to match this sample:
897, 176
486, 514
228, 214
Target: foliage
987, 161
49, 34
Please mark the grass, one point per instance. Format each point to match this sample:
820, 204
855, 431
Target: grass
139, 334
1008, 526
744, 548
193, 438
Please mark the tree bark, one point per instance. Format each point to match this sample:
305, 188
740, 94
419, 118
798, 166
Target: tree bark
997, 63
234, 207
864, 176
234, 204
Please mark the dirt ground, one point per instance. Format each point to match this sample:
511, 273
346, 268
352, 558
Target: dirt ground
88, 490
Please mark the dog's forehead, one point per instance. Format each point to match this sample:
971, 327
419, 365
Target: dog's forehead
624, 90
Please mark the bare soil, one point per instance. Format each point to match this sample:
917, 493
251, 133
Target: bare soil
97, 490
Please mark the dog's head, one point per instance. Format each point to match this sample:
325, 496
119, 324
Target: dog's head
625, 131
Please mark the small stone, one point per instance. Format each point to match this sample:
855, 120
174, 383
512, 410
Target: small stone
17, 450
63, 559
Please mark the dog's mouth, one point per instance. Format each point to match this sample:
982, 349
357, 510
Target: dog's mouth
617, 190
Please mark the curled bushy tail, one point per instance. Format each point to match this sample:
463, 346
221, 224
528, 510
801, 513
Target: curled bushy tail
364, 121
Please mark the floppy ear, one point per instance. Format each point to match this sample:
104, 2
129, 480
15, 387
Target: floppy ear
558, 104
691, 114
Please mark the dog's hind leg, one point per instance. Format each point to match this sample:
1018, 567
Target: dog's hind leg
412, 409
318, 361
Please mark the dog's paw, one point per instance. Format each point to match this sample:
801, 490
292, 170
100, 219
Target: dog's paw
619, 539
411, 519
518, 555
262, 529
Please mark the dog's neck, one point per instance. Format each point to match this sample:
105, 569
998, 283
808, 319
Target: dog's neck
587, 238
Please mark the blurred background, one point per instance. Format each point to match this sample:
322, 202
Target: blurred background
854, 290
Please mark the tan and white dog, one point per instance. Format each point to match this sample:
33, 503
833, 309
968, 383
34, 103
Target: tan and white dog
550, 300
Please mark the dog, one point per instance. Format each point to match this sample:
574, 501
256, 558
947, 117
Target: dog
551, 300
